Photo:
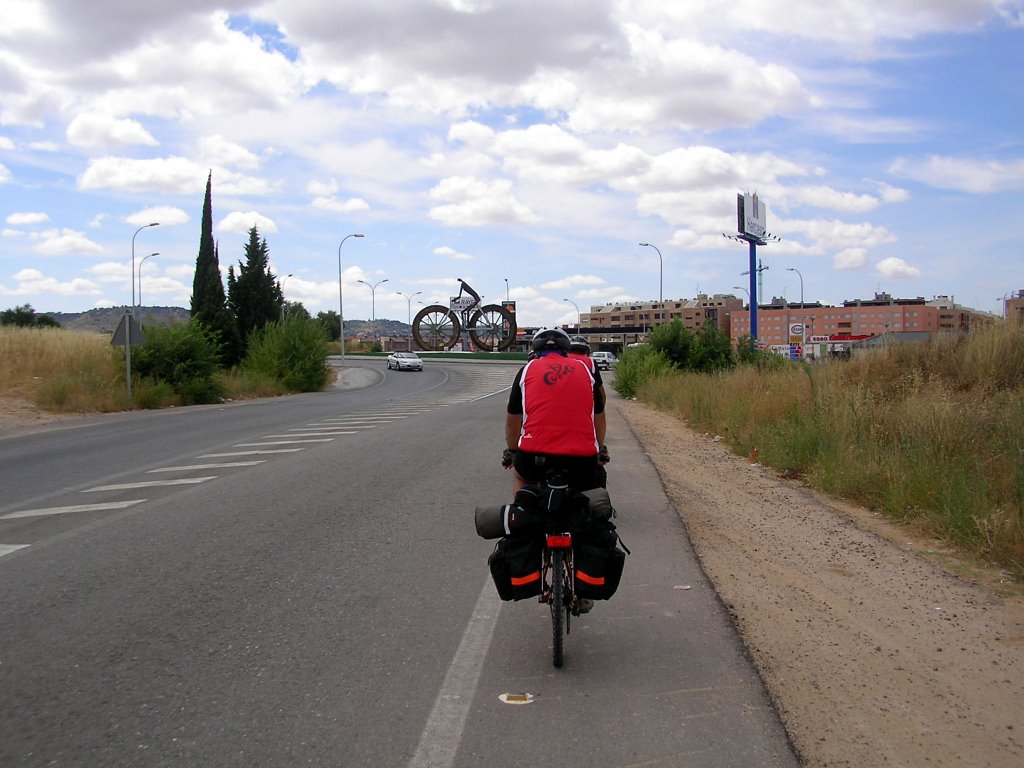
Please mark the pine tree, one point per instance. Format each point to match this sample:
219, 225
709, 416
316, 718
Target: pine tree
254, 295
209, 304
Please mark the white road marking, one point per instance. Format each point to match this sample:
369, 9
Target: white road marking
150, 484
6, 549
316, 434
282, 442
248, 453
441, 736
220, 465
75, 508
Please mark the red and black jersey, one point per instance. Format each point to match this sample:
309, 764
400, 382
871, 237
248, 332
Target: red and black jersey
557, 397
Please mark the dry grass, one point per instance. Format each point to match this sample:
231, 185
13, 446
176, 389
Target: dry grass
932, 433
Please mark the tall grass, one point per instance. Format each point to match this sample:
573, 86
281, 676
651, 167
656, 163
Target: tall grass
931, 433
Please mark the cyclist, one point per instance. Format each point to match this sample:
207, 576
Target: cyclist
555, 416
579, 349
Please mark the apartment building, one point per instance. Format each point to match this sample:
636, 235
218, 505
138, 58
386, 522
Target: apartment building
633, 320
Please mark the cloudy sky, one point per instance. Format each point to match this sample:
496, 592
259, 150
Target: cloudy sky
528, 141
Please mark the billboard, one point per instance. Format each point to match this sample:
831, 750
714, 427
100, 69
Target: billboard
751, 218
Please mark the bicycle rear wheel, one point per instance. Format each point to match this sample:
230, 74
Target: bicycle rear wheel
436, 328
557, 606
493, 328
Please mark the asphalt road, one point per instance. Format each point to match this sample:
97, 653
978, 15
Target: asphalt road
321, 598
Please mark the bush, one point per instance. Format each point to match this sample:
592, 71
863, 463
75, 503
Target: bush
185, 356
707, 350
637, 366
293, 351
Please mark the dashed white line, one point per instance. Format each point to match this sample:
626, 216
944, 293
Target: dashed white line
219, 465
150, 484
6, 549
73, 508
283, 442
248, 453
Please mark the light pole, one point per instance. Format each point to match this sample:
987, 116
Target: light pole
139, 305
792, 269
661, 270
741, 288
408, 301
373, 295
144, 226
577, 312
290, 274
506, 289
341, 303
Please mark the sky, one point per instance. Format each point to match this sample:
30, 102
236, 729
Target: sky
527, 147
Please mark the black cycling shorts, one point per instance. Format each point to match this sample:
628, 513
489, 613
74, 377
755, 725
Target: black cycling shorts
581, 471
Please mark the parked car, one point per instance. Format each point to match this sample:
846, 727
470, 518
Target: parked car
405, 361
604, 360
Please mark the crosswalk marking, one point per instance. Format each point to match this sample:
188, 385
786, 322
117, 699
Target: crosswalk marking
149, 484
219, 465
6, 549
72, 508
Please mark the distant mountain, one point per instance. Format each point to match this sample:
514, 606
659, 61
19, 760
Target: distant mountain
107, 319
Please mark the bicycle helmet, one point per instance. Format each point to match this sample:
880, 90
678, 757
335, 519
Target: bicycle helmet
550, 340
579, 344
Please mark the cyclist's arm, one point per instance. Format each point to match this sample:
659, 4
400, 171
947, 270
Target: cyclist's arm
513, 428
599, 427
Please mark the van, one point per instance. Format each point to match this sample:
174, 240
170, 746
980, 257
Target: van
604, 360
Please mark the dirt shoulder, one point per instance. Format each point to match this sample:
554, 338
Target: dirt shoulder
875, 654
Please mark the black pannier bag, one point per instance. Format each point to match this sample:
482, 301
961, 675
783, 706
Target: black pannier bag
598, 568
505, 520
515, 567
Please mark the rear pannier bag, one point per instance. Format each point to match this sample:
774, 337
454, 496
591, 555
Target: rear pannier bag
505, 520
598, 569
515, 567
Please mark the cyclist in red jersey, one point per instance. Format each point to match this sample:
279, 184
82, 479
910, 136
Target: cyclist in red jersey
555, 417
579, 349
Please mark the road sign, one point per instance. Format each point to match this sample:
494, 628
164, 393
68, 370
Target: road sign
121, 334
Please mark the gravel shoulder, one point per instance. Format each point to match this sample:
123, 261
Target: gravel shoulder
879, 648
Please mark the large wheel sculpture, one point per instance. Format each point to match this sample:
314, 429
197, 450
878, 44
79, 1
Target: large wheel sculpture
493, 328
436, 328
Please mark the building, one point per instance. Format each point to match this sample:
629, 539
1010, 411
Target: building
1013, 307
624, 323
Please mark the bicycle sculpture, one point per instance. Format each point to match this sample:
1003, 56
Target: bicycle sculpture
491, 327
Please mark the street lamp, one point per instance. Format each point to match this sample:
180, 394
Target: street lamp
577, 312
139, 305
741, 288
373, 294
144, 226
408, 301
792, 269
341, 303
661, 265
506, 289
283, 282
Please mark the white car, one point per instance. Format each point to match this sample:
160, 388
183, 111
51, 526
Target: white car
604, 360
405, 361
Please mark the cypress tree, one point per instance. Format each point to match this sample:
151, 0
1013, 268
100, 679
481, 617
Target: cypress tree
209, 304
254, 295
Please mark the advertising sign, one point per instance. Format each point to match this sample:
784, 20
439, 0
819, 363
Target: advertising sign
751, 218
796, 333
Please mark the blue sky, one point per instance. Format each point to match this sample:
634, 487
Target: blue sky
533, 142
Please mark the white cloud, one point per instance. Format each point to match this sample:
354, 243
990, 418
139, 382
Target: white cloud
963, 174
95, 131
897, 269
322, 188
170, 176
5, 175
32, 281
219, 151
62, 242
352, 205
26, 219
241, 222
165, 215
451, 253
571, 281
476, 203
851, 258
6, 144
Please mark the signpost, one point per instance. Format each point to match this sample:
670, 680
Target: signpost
127, 335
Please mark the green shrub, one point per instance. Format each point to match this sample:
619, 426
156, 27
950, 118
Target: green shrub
637, 366
293, 351
185, 356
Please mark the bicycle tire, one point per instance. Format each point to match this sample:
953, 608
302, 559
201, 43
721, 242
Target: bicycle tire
493, 328
557, 607
436, 328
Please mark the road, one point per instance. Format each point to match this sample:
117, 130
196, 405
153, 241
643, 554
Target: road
297, 581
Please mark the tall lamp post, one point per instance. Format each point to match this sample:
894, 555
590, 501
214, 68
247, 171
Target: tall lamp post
793, 269
506, 289
661, 271
373, 299
577, 313
139, 305
741, 288
128, 319
341, 303
283, 282
144, 226
408, 301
